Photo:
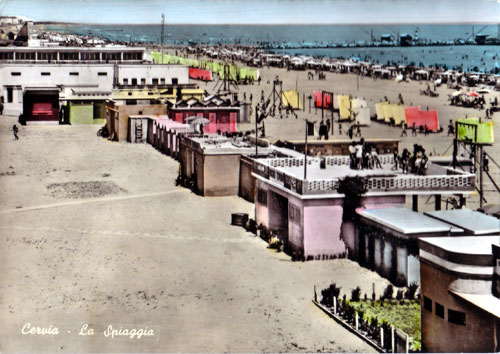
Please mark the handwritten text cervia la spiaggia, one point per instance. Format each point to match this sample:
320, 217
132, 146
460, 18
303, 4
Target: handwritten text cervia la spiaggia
88, 330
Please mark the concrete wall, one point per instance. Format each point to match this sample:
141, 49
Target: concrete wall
247, 184
222, 175
295, 225
124, 111
261, 210
348, 230
148, 72
439, 335
322, 226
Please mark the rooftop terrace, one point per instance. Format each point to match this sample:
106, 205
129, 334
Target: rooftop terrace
288, 174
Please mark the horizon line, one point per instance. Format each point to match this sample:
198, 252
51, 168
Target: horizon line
275, 24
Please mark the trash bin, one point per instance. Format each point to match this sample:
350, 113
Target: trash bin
239, 219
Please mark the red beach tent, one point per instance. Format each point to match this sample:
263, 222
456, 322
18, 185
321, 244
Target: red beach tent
200, 74
421, 118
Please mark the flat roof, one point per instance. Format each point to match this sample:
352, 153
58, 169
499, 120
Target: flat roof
473, 222
473, 245
407, 221
214, 144
314, 171
67, 49
486, 302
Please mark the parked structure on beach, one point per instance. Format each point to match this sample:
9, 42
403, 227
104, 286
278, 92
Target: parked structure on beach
460, 294
299, 198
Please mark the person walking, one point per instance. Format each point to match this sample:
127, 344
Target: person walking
414, 129
486, 163
403, 129
451, 128
358, 130
15, 130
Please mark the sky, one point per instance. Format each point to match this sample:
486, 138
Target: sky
255, 11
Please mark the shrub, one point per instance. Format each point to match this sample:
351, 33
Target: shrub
388, 292
355, 294
412, 290
328, 294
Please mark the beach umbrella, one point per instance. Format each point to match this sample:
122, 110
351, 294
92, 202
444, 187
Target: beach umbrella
484, 90
472, 94
194, 120
457, 93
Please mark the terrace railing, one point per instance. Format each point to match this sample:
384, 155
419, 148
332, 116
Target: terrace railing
453, 180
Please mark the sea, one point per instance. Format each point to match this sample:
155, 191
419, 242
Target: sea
317, 40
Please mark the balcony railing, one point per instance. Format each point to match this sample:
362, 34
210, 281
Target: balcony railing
451, 180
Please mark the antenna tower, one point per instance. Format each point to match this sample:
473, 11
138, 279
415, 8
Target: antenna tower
162, 34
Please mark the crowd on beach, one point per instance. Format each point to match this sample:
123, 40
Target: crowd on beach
253, 56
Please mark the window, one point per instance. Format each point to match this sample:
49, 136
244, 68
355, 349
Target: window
175, 81
111, 56
6, 55
155, 81
15, 73
456, 317
439, 310
143, 81
69, 56
102, 73
427, 304
90, 56
125, 81
47, 56
162, 81
44, 73
132, 56
73, 73
25, 55
134, 81
262, 196
131, 102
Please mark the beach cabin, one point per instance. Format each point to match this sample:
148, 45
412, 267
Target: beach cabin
213, 162
460, 294
299, 198
386, 240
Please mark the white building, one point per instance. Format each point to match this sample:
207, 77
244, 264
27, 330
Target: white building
93, 68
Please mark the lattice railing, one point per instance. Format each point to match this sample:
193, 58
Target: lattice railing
395, 183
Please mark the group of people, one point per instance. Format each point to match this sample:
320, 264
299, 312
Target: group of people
416, 163
363, 156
